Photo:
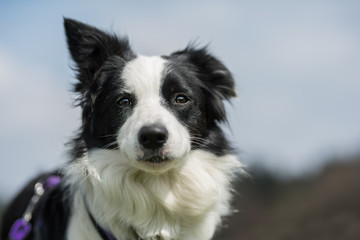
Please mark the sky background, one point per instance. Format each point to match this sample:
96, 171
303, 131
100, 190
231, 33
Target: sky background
296, 65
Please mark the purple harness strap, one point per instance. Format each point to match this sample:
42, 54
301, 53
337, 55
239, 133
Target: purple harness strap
22, 227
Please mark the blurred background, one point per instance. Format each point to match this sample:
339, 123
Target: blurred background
296, 122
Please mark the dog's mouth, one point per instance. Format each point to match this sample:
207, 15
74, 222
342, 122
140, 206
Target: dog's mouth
157, 159
156, 163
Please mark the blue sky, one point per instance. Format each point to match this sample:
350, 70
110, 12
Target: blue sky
297, 67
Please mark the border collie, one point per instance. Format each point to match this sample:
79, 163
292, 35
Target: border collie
150, 160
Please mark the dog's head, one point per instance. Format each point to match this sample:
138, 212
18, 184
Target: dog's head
154, 110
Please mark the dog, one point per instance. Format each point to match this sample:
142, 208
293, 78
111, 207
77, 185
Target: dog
150, 160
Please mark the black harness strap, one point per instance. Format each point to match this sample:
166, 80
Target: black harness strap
102, 232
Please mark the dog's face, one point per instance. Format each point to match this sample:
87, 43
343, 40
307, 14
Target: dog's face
154, 110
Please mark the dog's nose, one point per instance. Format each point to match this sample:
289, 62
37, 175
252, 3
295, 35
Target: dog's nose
153, 136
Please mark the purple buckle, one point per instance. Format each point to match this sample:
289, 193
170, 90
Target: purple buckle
20, 229
52, 181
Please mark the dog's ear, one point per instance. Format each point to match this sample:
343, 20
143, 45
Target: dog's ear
212, 72
217, 80
90, 48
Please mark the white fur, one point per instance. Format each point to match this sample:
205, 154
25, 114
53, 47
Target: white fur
182, 199
185, 203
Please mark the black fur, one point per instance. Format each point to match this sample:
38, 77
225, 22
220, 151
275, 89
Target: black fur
98, 56
210, 83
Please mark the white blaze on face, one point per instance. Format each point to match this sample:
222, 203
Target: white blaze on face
143, 77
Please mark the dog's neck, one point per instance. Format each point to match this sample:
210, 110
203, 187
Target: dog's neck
174, 205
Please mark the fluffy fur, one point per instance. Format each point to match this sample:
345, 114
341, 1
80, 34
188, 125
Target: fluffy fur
150, 160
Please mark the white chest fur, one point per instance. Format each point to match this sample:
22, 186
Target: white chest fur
185, 203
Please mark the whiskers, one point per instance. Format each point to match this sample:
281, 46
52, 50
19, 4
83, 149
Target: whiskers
200, 142
113, 145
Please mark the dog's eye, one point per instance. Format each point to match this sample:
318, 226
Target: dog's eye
124, 102
181, 99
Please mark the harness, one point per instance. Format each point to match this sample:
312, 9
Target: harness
22, 227
105, 235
